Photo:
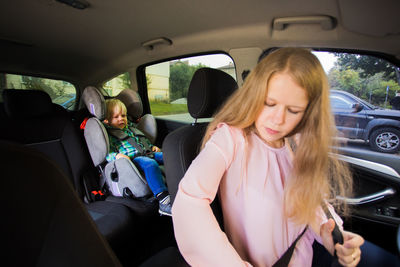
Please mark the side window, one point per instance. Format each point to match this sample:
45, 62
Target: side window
370, 86
168, 83
114, 86
61, 92
339, 103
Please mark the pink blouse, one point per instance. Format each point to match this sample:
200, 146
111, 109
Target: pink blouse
256, 230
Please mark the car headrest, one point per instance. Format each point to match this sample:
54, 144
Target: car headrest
26, 104
208, 89
133, 103
94, 102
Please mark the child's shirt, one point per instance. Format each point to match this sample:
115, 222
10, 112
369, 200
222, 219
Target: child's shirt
256, 231
123, 146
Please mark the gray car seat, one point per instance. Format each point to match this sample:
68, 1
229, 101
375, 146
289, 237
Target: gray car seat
121, 176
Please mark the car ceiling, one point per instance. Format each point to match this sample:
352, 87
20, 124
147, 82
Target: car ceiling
88, 46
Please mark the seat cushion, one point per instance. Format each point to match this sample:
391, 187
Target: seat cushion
114, 221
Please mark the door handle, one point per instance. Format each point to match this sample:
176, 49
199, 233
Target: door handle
369, 198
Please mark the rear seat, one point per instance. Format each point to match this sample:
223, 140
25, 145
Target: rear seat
45, 224
30, 118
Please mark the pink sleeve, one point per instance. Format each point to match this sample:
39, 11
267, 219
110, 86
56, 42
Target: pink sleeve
199, 237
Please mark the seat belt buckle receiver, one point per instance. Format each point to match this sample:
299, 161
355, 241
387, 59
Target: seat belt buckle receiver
98, 195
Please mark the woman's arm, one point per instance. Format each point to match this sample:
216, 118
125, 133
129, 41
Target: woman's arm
199, 237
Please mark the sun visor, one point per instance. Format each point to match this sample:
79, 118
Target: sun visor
370, 17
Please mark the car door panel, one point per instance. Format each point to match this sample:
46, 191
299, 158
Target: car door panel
375, 205
351, 124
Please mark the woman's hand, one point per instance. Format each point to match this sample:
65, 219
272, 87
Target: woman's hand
349, 254
155, 149
120, 155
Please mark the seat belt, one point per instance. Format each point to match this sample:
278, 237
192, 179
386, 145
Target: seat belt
284, 260
336, 236
143, 149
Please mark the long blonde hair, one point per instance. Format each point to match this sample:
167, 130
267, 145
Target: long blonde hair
317, 173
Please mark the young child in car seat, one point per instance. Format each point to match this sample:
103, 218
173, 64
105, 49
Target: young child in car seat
268, 156
116, 117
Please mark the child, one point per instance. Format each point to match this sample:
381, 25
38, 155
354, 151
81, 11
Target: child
116, 118
267, 155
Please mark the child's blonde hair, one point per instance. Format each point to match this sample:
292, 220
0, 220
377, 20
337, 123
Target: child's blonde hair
317, 173
111, 104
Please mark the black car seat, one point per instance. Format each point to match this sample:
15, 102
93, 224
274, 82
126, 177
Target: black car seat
44, 222
208, 89
121, 176
34, 121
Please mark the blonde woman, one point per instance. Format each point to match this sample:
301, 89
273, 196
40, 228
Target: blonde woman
272, 188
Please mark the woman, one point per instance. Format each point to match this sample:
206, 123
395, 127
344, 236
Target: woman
267, 154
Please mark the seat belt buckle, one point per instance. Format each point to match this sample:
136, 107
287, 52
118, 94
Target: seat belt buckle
98, 195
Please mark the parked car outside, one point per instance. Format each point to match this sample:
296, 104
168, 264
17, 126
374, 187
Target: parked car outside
358, 119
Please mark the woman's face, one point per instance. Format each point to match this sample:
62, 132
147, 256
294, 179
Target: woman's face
284, 108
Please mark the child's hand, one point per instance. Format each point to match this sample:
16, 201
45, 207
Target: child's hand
155, 149
349, 254
120, 155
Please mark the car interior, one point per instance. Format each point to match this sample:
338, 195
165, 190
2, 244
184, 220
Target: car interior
173, 64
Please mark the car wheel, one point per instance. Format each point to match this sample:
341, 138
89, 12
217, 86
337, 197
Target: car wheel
385, 140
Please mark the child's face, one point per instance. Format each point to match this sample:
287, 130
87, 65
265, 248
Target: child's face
118, 119
284, 108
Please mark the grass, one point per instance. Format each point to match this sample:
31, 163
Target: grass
160, 108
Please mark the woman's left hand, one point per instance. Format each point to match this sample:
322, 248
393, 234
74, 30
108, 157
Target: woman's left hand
349, 254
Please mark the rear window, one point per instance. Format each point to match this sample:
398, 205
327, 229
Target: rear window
60, 92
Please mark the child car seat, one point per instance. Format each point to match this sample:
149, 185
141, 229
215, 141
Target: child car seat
121, 176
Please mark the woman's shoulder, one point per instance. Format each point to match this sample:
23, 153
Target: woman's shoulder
224, 130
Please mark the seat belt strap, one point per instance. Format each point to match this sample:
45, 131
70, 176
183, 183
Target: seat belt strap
285, 258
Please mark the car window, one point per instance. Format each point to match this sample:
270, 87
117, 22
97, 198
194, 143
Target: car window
338, 102
168, 83
61, 92
362, 91
114, 86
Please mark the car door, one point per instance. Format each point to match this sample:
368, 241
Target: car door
375, 205
349, 120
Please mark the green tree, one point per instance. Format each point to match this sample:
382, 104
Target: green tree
126, 80
368, 65
179, 80
39, 84
348, 80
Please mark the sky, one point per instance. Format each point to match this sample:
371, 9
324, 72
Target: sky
327, 60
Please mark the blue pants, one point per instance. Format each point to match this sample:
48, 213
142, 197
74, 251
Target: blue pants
371, 255
152, 172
